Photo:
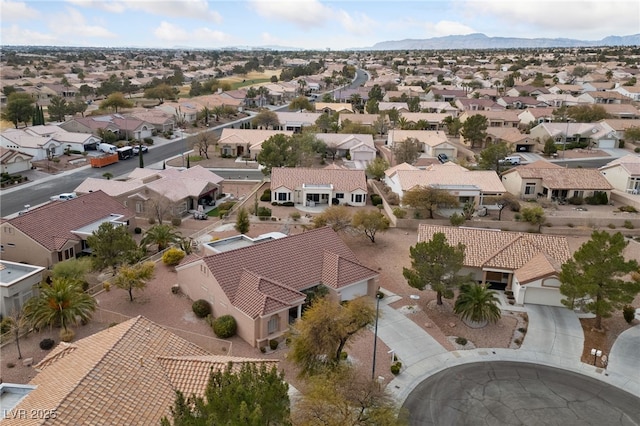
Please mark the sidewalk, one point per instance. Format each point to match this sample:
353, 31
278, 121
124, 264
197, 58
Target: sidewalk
554, 339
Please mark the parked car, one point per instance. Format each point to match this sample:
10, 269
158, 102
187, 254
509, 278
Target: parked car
443, 158
64, 196
136, 149
513, 160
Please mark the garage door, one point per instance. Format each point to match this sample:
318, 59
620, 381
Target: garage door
542, 296
446, 151
607, 143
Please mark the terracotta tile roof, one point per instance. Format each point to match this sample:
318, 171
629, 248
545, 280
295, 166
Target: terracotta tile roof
266, 277
564, 178
337, 140
252, 137
540, 266
630, 163
448, 175
342, 179
500, 249
51, 225
429, 137
126, 374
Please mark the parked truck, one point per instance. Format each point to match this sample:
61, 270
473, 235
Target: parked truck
103, 160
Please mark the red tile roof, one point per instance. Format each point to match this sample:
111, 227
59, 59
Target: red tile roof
51, 225
268, 277
345, 180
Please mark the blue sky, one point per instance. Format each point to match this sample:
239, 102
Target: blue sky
310, 24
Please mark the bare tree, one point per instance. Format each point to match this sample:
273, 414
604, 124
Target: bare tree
202, 142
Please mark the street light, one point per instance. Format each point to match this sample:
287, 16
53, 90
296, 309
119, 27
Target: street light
566, 135
596, 353
375, 333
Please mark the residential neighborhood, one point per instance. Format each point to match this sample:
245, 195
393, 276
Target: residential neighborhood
173, 215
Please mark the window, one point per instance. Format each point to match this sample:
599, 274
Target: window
274, 324
11, 245
340, 195
529, 188
357, 198
282, 196
139, 207
578, 194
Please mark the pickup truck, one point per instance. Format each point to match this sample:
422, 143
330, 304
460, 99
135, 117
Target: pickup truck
64, 196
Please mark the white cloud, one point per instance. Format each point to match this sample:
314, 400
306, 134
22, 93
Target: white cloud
445, 28
171, 33
562, 17
14, 11
17, 35
194, 9
302, 13
361, 24
73, 22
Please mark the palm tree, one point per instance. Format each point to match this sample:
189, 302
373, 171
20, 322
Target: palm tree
62, 303
162, 235
477, 304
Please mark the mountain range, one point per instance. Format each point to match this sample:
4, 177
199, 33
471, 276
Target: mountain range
482, 41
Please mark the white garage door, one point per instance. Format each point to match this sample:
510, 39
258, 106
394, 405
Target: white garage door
607, 143
363, 156
446, 151
542, 296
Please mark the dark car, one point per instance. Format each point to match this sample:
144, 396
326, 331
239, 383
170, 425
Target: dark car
136, 149
443, 158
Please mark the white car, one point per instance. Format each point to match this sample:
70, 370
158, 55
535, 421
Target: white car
136, 149
64, 197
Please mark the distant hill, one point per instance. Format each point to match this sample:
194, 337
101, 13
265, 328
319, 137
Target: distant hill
481, 41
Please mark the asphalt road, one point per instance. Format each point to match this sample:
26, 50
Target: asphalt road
586, 164
509, 393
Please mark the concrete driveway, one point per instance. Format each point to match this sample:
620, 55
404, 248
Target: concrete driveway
554, 331
624, 358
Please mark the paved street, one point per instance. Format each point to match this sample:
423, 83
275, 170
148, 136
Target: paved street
508, 393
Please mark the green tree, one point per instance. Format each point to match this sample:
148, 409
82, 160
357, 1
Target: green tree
320, 336
57, 108
372, 106
274, 152
370, 222
301, 103
407, 151
550, 147
111, 246
632, 134
160, 92
266, 119
250, 395
503, 201
597, 273
242, 221
376, 168
115, 101
376, 93
19, 109
533, 215
133, 277
73, 270
161, 234
338, 217
62, 303
477, 304
346, 397
327, 122
394, 117
474, 129
428, 199
436, 264
587, 113
490, 157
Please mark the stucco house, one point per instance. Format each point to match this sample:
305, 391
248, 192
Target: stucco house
58, 230
513, 137
127, 374
526, 264
264, 285
360, 147
333, 107
13, 161
245, 142
536, 116
434, 142
38, 147
623, 173
548, 180
598, 135
296, 121
312, 187
18, 282
126, 126
466, 185
153, 193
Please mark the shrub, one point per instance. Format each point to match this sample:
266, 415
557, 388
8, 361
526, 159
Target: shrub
10, 365
629, 313
263, 349
226, 205
173, 256
148, 141
570, 225
598, 198
576, 201
273, 344
274, 203
393, 198
456, 219
517, 216
375, 199
628, 209
611, 226
46, 344
522, 330
395, 368
137, 230
295, 216
152, 221
201, 308
264, 211
288, 204
399, 213
517, 341
5, 325
225, 326
176, 221
266, 195
67, 335
628, 224
222, 213
637, 149
461, 341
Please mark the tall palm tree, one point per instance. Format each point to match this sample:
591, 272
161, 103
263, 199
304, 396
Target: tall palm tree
162, 235
62, 303
477, 304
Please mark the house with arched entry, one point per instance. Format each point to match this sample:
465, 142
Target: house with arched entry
245, 142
